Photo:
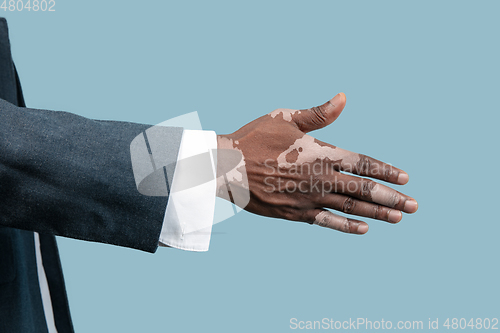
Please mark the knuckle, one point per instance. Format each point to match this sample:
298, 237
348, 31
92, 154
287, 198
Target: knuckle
348, 205
363, 165
305, 216
322, 219
347, 226
394, 199
377, 212
366, 187
319, 115
290, 214
388, 173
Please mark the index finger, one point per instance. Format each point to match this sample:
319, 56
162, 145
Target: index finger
363, 165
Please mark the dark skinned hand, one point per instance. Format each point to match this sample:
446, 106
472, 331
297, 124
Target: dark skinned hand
290, 175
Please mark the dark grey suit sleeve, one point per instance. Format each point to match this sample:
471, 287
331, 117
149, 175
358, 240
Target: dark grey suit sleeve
71, 176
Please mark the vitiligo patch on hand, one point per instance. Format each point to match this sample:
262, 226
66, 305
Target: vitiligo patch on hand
306, 150
329, 220
237, 175
287, 113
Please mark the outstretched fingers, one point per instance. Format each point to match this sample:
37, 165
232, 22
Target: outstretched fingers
363, 165
350, 205
371, 191
370, 167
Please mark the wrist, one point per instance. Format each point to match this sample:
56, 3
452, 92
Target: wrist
232, 182
223, 144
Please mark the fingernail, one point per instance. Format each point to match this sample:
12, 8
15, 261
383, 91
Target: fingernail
411, 206
395, 216
337, 99
403, 178
362, 228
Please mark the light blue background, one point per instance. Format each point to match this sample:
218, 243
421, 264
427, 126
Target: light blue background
422, 85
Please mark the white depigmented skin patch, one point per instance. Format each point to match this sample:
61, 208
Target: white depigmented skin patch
287, 113
384, 195
329, 220
236, 175
312, 151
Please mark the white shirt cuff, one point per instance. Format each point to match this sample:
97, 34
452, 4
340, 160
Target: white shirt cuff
188, 220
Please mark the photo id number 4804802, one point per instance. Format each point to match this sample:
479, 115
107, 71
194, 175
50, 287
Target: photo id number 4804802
28, 5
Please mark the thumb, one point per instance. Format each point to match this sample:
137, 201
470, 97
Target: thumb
320, 116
